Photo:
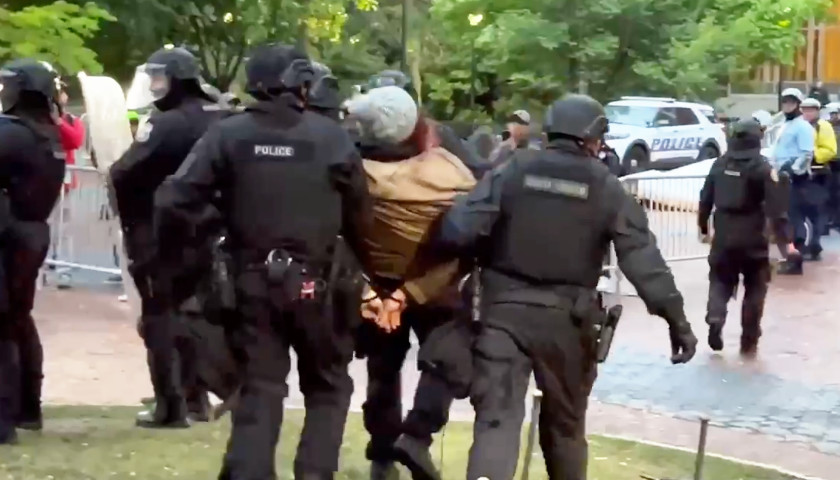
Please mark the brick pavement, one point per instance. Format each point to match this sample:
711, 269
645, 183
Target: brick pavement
782, 409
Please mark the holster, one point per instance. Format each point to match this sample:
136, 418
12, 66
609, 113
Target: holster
220, 288
585, 307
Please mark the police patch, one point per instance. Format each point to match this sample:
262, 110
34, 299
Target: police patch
144, 132
557, 186
774, 175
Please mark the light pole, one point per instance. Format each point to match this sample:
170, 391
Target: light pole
474, 19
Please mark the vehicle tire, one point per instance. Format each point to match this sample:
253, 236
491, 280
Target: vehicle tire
635, 160
708, 151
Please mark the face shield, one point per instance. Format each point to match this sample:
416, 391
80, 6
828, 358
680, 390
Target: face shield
139, 94
158, 81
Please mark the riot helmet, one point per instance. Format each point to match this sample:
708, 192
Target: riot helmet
387, 78
578, 117
745, 139
324, 93
276, 69
28, 79
167, 68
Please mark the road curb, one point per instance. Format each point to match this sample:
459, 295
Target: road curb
750, 463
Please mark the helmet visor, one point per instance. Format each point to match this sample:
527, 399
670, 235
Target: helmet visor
139, 95
158, 80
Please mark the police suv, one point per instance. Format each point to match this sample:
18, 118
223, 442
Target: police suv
662, 133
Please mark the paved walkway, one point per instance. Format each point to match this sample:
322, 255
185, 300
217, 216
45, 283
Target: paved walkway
782, 409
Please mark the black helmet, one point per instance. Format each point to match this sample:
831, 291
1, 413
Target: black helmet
324, 92
388, 78
275, 68
26, 75
168, 66
577, 116
746, 137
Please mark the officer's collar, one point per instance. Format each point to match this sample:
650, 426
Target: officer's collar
746, 154
567, 145
280, 106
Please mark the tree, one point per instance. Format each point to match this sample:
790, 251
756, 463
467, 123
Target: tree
55, 33
221, 32
530, 54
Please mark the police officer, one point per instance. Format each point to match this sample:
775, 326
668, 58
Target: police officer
742, 189
31, 175
290, 181
793, 154
324, 96
539, 304
184, 113
834, 192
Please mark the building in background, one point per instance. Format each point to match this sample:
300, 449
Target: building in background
817, 60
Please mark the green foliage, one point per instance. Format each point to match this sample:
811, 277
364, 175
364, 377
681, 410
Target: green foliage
55, 33
530, 53
520, 55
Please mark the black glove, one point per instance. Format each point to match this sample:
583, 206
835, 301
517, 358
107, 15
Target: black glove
683, 341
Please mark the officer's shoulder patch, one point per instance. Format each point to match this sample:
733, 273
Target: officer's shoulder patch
566, 188
144, 132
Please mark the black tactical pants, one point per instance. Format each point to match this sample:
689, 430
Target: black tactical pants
207, 364
158, 324
324, 347
21, 353
808, 200
159, 328
547, 342
725, 267
833, 205
383, 414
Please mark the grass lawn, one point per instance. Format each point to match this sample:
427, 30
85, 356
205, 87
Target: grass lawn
102, 443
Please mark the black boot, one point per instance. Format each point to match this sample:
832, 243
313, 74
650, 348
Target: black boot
170, 413
8, 437
383, 471
791, 266
415, 455
716, 336
749, 347
33, 422
198, 406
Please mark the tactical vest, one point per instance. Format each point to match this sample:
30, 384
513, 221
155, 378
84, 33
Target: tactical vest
282, 194
553, 226
734, 186
34, 190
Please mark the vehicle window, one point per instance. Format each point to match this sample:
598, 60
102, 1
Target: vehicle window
634, 115
710, 114
665, 117
686, 117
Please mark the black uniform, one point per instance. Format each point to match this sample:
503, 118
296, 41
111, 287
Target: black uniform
833, 204
31, 176
539, 304
743, 190
184, 113
290, 182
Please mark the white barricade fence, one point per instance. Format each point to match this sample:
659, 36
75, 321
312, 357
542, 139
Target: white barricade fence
85, 233
671, 203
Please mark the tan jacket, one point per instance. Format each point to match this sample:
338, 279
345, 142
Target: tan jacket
409, 196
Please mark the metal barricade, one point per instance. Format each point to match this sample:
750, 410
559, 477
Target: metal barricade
671, 204
85, 232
